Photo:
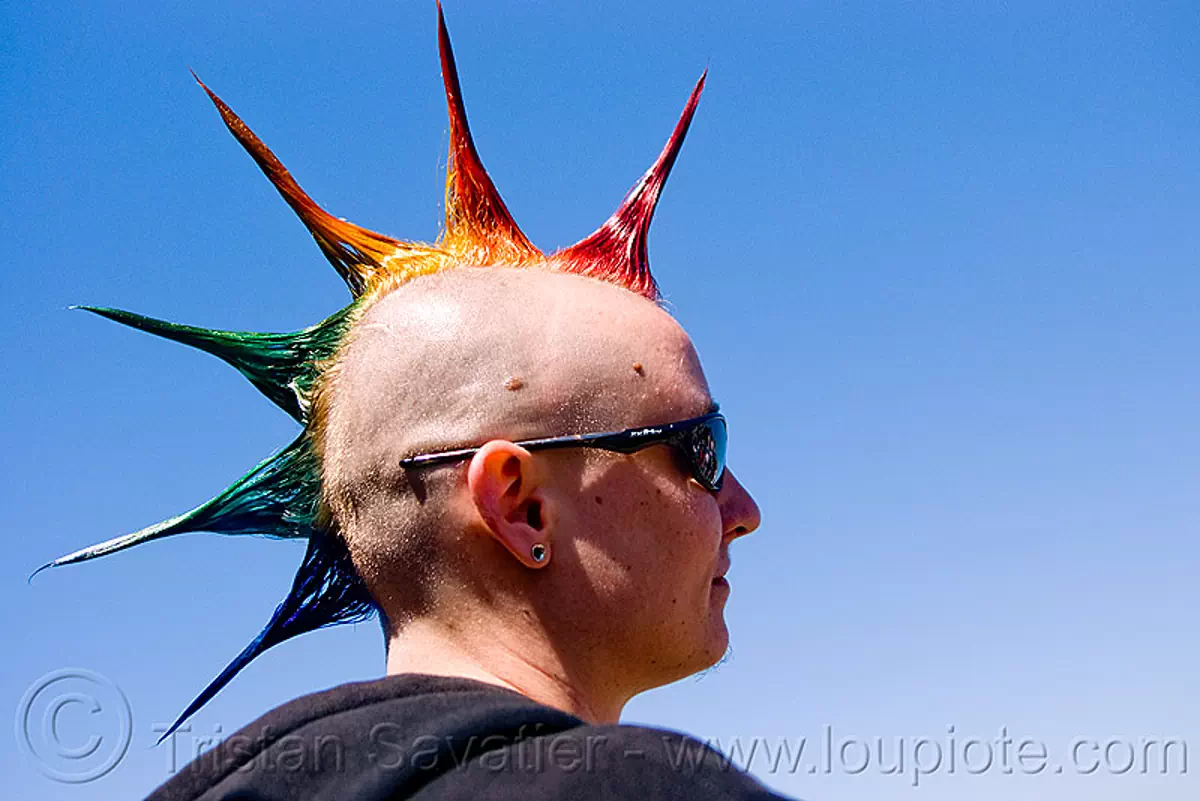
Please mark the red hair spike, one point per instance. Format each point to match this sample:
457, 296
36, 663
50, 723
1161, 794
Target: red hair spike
616, 252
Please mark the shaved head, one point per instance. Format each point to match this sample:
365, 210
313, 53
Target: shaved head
463, 357
475, 353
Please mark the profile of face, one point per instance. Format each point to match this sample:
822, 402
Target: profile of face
650, 550
632, 587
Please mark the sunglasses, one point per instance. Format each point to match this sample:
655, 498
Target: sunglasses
701, 440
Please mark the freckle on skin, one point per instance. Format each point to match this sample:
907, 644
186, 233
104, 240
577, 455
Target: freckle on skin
513, 384
599, 499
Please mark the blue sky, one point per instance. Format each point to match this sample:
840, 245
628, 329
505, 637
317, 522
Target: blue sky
940, 261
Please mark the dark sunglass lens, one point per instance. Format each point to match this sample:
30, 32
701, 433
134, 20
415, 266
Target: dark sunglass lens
708, 453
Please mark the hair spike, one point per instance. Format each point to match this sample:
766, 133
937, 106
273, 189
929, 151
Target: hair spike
616, 251
282, 367
355, 252
479, 228
278, 498
325, 592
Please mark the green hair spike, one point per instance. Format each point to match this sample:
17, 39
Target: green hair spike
281, 366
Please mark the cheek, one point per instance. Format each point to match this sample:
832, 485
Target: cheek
657, 539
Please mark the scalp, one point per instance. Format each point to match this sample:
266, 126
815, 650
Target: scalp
457, 358
460, 357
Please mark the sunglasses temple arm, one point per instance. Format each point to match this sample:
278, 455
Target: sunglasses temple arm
431, 459
620, 442
446, 457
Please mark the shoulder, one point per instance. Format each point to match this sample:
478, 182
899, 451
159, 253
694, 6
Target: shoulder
376, 734
599, 762
424, 737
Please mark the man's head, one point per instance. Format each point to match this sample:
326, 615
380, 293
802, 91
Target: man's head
480, 339
489, 356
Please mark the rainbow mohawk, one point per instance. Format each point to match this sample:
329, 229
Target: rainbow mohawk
281, 496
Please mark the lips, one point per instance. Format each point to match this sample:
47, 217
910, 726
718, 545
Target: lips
722, 569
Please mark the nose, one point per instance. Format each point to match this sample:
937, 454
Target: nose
739, 512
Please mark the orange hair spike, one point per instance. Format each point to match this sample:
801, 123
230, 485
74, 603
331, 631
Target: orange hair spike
616, 252
479, 228
355, 252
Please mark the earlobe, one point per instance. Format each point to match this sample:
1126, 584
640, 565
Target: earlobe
505, 489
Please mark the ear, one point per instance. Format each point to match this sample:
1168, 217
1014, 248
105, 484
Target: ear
504, 487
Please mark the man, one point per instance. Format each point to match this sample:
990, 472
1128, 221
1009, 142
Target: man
516, 460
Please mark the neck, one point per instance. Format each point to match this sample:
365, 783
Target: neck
525, 663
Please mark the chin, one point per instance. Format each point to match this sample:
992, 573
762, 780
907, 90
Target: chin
715, 643
710, 648
706, 644
718, 644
